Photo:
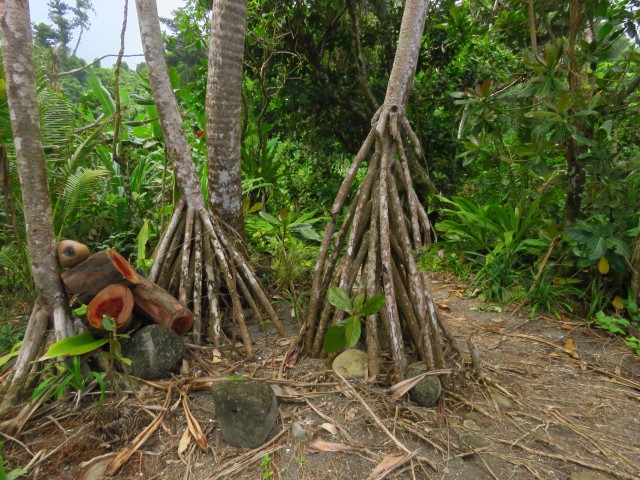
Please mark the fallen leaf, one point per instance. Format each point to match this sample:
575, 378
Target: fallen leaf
566, 326
185, 440
387, 463
330, 427
322, 446
217, 356
97, 469
400, 388
570, 345
618, 303
350, 414
471, 425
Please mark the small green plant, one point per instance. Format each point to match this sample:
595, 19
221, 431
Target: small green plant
266, 467
64, 375
115, 349
347, 332
551, 294
628, 328
13, 474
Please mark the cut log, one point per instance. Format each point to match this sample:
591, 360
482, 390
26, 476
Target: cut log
97, 272
71, 253
117, 302
155, 303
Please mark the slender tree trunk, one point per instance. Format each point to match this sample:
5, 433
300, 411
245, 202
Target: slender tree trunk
17, 49
575, 170
532, 27
224, 100
635, 271
196, 258
384, 231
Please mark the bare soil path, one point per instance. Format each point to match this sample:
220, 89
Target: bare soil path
563, 403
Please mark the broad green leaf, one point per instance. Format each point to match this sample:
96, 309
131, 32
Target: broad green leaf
15, 350
339, 299
81, 310
334, 339
143, 238
269, 218
76, 345
352, 330
102, 94
358, 302
310, 234
374, 305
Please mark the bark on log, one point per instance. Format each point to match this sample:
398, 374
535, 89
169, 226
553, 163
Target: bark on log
97, 272
155, 303
117, 302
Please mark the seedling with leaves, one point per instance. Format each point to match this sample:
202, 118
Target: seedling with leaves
346, 333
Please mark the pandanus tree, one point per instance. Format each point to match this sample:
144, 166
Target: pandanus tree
198, 256
384, 230
51, 302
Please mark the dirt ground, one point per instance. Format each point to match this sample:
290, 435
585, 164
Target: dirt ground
562, 402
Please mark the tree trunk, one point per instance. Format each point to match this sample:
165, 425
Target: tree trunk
635, 271
17, 50
532, 27
196, 258
575, 170
384, 231
223, 104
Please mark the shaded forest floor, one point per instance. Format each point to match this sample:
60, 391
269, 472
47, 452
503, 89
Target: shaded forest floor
565, 403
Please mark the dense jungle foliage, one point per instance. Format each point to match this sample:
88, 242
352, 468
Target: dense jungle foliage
531, 143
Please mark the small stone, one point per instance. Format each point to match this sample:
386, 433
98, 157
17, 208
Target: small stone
297, 430
501, 400
247, 412
154, 352
351, 363
427, 392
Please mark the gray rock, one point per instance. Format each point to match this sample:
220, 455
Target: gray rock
154, 352
297, 430
247, 412
351, 363
427, 392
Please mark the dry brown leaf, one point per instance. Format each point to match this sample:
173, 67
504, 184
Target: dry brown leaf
330, 427
566, 326
142, 437
216, 356
322, 446
96, 470
194, 426
350, 414
185, 440
400, 388
570, 345
387, 463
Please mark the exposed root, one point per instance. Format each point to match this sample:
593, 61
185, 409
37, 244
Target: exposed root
202, 266
385, 230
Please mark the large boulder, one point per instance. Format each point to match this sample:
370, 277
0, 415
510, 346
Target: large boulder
246, 411
351, 363
154, 352
427, 392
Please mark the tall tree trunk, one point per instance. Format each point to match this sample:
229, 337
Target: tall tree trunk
17, 46
532, 27
575, 170
635, 271
384, 231
196, 258
223, 105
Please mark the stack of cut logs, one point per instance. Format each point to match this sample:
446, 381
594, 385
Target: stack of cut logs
109, 285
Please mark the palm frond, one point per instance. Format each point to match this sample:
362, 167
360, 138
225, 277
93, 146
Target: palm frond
11, 261
57, 119
77, 190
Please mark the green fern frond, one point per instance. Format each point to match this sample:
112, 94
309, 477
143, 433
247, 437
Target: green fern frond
11, 261
57, 119
77, 190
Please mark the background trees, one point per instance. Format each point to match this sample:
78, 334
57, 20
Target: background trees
504, 131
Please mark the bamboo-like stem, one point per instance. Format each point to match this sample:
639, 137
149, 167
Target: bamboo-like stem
372, 274
214, 328
186, 252
390, 311
163, 247
315, 299
197, 279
